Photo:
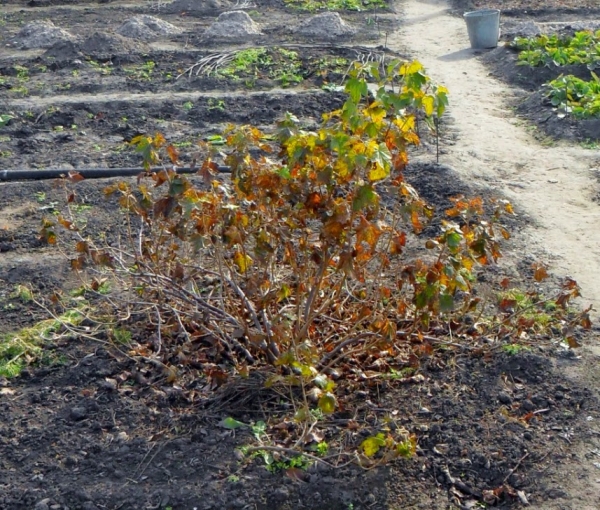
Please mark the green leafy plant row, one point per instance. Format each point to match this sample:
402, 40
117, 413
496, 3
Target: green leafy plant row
335, 5
581, 48
572, 95
568, 94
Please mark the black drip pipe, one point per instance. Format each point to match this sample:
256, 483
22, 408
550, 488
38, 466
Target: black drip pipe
89, 173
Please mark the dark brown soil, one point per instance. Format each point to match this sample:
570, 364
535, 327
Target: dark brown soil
86, 427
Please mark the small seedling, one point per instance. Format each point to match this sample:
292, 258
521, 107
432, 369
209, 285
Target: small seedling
514, 349
5, 119
121, 336
216, 104
23, 293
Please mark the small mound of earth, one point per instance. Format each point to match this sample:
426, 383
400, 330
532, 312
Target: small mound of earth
146, 28
233, 25
41, 34
105, 45
327, 25
63, 51
198, 6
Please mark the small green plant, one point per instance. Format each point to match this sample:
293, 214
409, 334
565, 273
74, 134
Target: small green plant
245, 63
82, 208
274, 466
590, 144
259, 430
400, 374
514, 349
23, 293
20, 90
22, 73
574, 96
121, 335
187, 106
216, 104
141, 72
103, 69
5, 118
322, 448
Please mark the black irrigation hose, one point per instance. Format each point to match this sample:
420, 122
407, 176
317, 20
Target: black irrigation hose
88, 173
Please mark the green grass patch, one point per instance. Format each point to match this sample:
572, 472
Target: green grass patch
21, 348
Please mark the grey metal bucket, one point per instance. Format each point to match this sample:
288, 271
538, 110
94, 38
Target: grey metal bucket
483, 27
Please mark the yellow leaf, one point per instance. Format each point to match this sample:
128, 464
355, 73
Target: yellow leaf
428, 105
405, 124
327, 403
242, 261
411, 68
377, 173
371, 445
376, 113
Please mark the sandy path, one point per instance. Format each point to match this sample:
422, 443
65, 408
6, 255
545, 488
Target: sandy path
552, 185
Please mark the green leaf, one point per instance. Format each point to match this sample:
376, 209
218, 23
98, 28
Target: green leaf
365, 196
258, 429
231, 423
356, 89
5, 119
453, 240
284, 172
446, 303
